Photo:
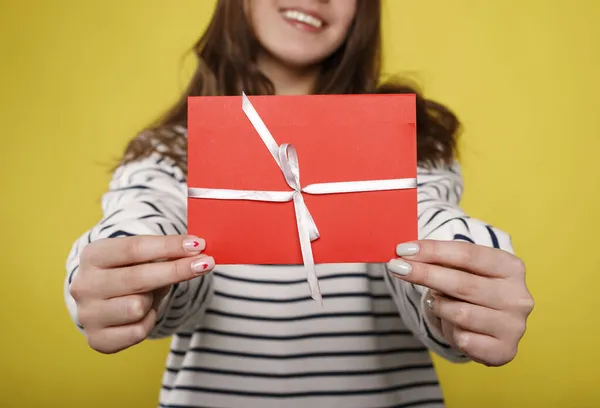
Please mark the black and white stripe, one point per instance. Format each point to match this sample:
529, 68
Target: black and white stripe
250, 336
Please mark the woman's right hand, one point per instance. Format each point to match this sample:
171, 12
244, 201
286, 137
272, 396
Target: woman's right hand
122, 281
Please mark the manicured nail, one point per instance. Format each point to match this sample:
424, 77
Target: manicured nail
399, 267
407, 249
203, 265
193, 244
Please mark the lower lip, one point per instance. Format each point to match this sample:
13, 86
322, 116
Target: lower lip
303, 26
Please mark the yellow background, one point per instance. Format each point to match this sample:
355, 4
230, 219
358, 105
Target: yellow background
78, 78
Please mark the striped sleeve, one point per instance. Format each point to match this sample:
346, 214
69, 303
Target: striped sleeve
147, 197
440, 218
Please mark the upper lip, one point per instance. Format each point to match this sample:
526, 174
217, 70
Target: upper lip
305, 11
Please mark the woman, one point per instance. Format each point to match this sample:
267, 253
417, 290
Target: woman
250, 336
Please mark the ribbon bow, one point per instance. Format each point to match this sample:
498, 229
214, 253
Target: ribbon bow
286, 158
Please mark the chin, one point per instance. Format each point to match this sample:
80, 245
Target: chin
301, 62
300, 58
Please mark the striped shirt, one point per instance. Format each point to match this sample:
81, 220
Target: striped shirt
251, 336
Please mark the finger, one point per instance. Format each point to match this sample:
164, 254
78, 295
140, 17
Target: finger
117, 311
484, 349
149, 277
113, 339
462, 255
472, 317
448, 332
125, 251
457, 284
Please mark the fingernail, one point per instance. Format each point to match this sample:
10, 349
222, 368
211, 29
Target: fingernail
203, 265
407, 249
193, 244
399, 267
430, 301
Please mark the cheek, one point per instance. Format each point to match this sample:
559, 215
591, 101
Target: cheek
261, 16
345, 11
268, 26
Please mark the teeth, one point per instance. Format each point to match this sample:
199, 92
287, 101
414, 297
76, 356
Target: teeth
303, 18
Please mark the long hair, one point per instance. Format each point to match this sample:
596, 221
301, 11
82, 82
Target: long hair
226, 66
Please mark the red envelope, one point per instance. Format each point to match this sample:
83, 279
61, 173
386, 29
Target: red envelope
338, 138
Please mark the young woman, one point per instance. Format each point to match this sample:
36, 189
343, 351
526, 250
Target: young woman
251, 336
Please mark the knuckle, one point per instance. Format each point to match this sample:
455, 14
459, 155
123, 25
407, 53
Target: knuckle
92, 253
500, 355
467, 286
173, 244
520, 329
79, 289
518, 266
134, 247
463, 315
509, 354
131, 280
96, 343
85, 317
136, 308
178, 270
87, 254
466, 254
423, 273
75, 290
137, 334
463, 341
163, 245
433, 247
525, 304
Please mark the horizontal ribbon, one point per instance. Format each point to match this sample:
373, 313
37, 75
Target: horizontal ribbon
287, 159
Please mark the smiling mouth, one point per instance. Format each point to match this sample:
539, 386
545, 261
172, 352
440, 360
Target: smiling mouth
303, 20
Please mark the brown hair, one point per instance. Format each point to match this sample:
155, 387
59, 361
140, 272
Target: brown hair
226, 54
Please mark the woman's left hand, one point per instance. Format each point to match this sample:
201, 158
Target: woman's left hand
478, 293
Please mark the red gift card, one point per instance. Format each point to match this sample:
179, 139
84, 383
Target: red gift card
337, 138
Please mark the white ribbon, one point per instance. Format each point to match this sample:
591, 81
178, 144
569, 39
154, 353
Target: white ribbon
287, 159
